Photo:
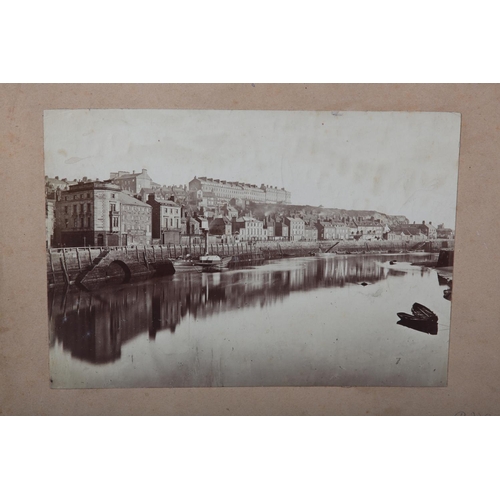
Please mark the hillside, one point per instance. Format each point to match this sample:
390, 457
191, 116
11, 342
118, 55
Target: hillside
261, 210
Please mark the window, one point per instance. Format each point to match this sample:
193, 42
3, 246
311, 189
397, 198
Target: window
66, 223
66, 209
89, 207
113, 207
74, 209
88, 222
115, 221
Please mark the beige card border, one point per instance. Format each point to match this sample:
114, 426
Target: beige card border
474, 367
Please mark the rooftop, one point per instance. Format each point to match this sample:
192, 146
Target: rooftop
130, 200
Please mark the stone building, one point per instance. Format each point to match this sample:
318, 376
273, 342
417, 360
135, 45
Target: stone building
427, 229
310, 232
100, 214
248, 228
132, 182
221, 226
296, 228
370, 229
281, 230
341, 231
326, 230
404, 233
444, 232
269, 226
217, 190
192, 226
166, 220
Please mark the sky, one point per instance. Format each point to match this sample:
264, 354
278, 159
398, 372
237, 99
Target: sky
397, 163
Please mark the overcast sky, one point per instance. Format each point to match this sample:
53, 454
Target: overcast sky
396, 163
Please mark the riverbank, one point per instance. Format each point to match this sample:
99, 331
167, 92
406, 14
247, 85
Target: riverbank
68, 266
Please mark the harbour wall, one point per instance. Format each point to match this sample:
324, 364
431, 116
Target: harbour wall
67, 266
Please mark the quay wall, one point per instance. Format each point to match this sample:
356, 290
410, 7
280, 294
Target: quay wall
65, 265
293, 248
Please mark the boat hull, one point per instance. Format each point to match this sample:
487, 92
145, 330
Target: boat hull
182, 266
213, 263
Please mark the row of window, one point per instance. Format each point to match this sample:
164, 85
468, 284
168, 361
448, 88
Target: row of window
173, 223
79, 223
134, 208
67, 208
82, 196
77, 196
252, 232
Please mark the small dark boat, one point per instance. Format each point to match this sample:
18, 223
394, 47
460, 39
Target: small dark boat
430, 327
447, 294
421, 319
392, 262
423, 312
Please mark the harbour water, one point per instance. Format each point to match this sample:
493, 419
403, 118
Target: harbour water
291, 322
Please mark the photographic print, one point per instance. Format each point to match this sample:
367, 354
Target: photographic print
219, 248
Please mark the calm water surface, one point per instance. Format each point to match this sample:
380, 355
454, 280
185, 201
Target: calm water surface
293, 322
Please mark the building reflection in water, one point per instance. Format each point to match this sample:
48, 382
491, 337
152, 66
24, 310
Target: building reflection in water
94, 325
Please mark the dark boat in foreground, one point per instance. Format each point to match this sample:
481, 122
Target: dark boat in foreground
422, 319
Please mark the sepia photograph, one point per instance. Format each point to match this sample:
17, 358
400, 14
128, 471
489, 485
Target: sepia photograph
236, 248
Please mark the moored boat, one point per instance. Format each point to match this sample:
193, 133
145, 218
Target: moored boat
213, 262
183, 265
422, 319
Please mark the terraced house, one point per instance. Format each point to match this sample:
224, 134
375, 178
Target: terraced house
209, 192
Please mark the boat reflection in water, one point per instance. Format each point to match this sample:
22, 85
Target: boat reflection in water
288, 322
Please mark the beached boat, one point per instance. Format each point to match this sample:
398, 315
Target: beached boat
419, 312
421, 319
421, 325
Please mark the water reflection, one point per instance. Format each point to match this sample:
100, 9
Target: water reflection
93, 326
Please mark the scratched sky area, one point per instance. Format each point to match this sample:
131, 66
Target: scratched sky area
393, 162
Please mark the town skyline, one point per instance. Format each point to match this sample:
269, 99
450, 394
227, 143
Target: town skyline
435, 221
392, 163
